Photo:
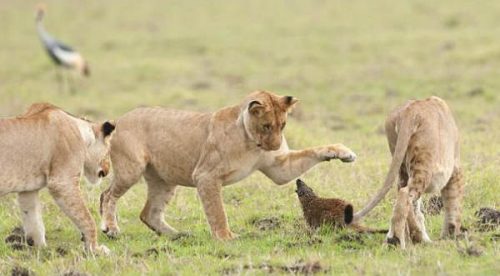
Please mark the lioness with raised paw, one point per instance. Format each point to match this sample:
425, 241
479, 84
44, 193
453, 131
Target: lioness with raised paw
423, 140
47, 147
206, 151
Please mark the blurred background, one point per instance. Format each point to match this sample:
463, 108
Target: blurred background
349, 63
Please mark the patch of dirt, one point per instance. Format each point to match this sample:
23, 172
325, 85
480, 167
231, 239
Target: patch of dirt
266, 224
314, 241
310, 242
434, 205
300, 267
152, 252
350, 240
350, 237
21, 271
471, 250
225, 255
489, 218
61, 251
306, 268
16, 239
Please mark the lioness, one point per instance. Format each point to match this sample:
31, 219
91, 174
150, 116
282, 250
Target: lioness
423, 140
47, 147
206, 151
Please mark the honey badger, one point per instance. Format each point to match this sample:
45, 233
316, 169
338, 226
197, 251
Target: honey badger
333, 211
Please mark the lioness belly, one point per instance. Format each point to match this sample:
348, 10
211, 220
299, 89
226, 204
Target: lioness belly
20, 183
442, 172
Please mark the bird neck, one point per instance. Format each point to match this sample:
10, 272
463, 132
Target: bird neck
42, 33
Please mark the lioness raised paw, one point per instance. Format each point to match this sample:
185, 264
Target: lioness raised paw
337, 151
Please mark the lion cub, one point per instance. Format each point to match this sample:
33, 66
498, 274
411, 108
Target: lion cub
424, 143
47, 147
331, 211
206, 151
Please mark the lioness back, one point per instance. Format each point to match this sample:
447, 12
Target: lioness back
28, 143
168, 140
435, 138
48, 147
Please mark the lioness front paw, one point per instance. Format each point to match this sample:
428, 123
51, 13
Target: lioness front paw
225, 235
338, 151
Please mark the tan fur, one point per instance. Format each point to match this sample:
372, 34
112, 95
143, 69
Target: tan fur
47, 147
206, 151
423, 139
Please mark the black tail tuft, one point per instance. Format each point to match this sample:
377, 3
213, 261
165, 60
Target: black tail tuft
348, 213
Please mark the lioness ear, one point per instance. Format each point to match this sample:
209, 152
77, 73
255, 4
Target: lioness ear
256, 108
107, 128
288, 102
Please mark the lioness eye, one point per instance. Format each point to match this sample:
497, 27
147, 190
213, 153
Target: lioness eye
283, 125
266, 127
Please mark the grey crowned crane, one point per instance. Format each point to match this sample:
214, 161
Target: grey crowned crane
61, 54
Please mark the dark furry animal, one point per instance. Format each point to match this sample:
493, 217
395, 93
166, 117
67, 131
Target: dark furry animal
333, 211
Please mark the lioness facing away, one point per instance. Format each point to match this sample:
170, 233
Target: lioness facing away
206, 151
47, 147
423, 140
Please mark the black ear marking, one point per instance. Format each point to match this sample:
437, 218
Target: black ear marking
107, 128
288, 99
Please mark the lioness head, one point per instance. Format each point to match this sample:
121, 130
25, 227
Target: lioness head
97, 162
265, 117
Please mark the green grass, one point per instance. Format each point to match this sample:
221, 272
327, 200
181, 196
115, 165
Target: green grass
349, 62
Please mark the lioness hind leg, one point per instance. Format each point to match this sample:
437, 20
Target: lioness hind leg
397, 231
31, 212
420, 220
452, 195
159, 194
66, 193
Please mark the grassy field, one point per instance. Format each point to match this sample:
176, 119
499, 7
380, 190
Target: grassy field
349, 62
